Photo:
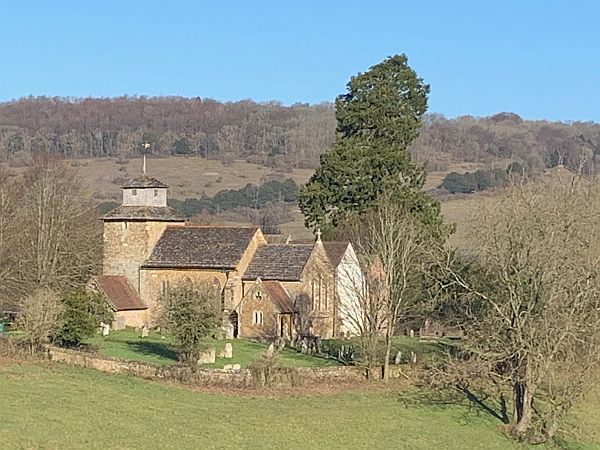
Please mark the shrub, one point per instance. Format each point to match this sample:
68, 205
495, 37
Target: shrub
264, 368
83, 312
190, 312
41, 317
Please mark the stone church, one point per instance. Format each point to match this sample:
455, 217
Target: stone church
267, 290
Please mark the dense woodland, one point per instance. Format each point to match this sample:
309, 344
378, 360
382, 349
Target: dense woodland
270, 133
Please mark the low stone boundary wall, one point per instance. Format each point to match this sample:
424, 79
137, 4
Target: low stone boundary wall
283, 376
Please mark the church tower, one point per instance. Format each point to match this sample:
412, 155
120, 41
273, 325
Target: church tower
132, 229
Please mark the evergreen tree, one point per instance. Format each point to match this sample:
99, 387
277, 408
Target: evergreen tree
377, 119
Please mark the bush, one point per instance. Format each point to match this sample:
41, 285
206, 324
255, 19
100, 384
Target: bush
83, 312
190, 312
41, 317
264, 368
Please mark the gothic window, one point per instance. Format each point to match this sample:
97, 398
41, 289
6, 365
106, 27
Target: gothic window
326, 296
320, 290
312, 297
156, 192
257, 318
124, 225
258, 296
134, 192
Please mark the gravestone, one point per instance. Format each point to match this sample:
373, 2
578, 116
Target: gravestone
270, 351
398, 358
413, 357
207, 356
412, 333
228, 351
105, 329
303, 346
280, 343
145, 331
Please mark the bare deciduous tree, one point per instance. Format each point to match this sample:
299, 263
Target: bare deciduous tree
528, 300
9, 193
49, 233
392, 246
41, 315
59, 232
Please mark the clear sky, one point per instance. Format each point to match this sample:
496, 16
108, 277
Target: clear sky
538, 58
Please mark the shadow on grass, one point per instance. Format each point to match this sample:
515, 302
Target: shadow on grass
152, 349
472, 403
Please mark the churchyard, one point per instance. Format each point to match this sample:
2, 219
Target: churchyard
159, 349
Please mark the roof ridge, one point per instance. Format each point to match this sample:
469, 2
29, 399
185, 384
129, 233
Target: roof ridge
241, 227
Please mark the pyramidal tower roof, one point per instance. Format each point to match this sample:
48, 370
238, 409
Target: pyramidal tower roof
142, 182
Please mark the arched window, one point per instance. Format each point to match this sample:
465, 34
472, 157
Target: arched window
320, 290
257, 318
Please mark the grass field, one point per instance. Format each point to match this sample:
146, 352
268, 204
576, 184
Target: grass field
154, 349
187, 177
55, 406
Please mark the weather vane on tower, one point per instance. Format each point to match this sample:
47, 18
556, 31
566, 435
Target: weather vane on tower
146, 147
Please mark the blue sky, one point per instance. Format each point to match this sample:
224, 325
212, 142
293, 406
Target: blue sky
540, 59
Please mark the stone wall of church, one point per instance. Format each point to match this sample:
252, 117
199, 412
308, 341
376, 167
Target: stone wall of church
154, 282
135, 319
238, 293
317, 304
257, 315
127, 244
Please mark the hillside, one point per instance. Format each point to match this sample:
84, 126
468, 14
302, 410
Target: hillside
270, 134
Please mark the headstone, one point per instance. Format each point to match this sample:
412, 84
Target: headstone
280, 343
412, 333
413, 357
228, 351
303, 346
317, 348
398, 358
228, 330
237, 367
270, 351
105, 329
145, 331
207, 356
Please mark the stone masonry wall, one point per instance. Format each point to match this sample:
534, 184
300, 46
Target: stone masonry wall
207, 377
127, 244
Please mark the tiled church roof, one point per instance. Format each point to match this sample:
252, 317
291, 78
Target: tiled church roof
201, 247
279, 262
164, 213
279, 295
120, 295
335, 251
144, 181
